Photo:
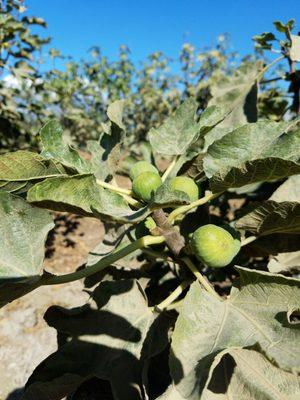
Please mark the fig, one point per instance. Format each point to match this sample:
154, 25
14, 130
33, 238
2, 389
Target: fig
145, 185
140, 167
144, 227
186, 185
214, 246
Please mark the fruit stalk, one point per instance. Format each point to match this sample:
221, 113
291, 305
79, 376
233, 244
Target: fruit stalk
200, 277
172, 297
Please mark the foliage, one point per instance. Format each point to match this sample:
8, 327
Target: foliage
175, 327
78, 94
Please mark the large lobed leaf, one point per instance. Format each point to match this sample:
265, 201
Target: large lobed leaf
271, 217
82, 195
177, 132
257, 313
112, 339
238, 93
23, 231
180, 130
252, 153
250, 142
23, 166
246, 374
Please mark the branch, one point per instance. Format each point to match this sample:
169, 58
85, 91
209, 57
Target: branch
174, 240
105, 261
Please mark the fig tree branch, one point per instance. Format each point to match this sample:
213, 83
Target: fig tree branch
105, 261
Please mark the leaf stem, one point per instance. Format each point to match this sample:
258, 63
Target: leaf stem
105, 261
183, 209
200, 277
114, 188
268, 66
125, 193
248, 240
172, 297
169, 169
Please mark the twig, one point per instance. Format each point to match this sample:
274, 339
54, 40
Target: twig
248, 240
184, 209
105, 261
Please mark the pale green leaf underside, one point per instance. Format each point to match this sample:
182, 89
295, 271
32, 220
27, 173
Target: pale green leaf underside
254, 314
284, 262
288, 191
295, 48
120, 325
23, 231
246, 374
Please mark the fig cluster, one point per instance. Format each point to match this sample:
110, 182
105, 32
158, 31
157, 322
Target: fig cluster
146, 180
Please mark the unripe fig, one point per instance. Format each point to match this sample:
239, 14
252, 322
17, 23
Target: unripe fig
140, 167
145, 185
144, 227
214, 246
186, 185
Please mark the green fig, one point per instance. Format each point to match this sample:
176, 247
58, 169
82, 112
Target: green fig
140, 167
214, 246
145, 185
144, 227
186, 185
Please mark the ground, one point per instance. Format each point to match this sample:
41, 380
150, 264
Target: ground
25, 338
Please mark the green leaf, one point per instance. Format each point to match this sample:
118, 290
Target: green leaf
271, 217
165, 195
54, 147
238, 93
21, 166
106, 153
288, 191
178, 131
246, 374
256, 314
248, 143
211, 117
78, 194
262, 170
23, 231
115, 113
112, 339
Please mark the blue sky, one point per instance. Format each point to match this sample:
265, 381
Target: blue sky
147, 26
